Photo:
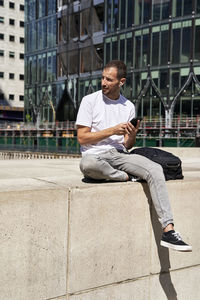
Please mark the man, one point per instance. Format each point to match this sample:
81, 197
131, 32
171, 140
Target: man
105, 135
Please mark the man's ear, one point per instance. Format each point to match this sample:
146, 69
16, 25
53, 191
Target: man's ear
122, 81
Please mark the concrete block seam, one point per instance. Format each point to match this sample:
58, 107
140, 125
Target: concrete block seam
68, 240
175, 270
86, 291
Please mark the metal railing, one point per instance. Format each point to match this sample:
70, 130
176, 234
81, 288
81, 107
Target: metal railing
60, 137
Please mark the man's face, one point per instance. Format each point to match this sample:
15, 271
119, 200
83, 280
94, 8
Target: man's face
110, 83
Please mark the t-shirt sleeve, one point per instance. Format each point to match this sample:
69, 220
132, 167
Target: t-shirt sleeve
84, 116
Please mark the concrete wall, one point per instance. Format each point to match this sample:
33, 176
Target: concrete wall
61, 238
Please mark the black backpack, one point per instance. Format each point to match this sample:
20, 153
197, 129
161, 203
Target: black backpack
170, 163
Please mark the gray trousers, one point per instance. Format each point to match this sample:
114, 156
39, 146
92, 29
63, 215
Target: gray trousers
114, 165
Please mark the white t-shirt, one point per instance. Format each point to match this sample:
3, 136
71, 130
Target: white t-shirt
99, 112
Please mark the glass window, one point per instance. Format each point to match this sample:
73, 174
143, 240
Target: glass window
123, 14
42, 8
146, 11
136, 84
163, 82
109, 15
21, 76
30, 10
42, 34
174, 81
165, 9
187, 8
51, 32
156, 6
1, 74
129, 51
11, 21
34, 68
21, 40
86, 60
31, 36
21, 23
155, 46
137, 49
51, 7
21, 98
197, 40
122, 47
73, 58
176, 8
107, 50
130, 13
98, 17
39, 68
115, 23
186, 36
11, 54
21, 7
11, 5
114, 48
198, 6
176, 39
1, 36
11, 76
164, 44
127, 91
1, 19
138, 12
1, 2
11, 97
145, 47
11, 38
44, 66
1, 52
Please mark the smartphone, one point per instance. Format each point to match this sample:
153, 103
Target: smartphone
134, 121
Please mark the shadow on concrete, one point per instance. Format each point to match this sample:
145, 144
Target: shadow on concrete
163, 253
96, 181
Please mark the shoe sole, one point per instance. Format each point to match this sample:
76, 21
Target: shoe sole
176, 247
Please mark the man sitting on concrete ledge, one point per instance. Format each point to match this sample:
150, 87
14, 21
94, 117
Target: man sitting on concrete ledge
105, 133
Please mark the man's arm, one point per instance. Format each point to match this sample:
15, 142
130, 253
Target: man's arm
85, 136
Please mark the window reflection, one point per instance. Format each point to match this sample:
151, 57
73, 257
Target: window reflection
197, 41
156, 7
186, 36
164, 45
129, 57
155, 48
176, 8
176, 39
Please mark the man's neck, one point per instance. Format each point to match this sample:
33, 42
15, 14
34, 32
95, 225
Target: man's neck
112, 97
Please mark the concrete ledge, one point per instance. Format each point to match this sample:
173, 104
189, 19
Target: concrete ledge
62, 238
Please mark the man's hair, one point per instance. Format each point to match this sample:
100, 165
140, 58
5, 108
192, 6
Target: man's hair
119, 65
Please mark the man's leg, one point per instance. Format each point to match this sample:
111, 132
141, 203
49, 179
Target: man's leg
146, 169
151, 172
95, 167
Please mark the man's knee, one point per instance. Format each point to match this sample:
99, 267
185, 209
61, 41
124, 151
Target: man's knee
156, 171
88, 165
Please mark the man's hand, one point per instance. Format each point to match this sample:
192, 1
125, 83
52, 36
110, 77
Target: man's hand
121, 129
130, 136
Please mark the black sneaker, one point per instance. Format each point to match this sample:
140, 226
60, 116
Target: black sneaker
173, 240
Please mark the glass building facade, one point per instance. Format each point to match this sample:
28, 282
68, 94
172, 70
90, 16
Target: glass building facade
159, 41
68, 42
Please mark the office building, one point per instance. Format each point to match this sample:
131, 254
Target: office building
158, 40
11, 60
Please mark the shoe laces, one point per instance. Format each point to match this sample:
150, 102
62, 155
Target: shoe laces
177, 235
